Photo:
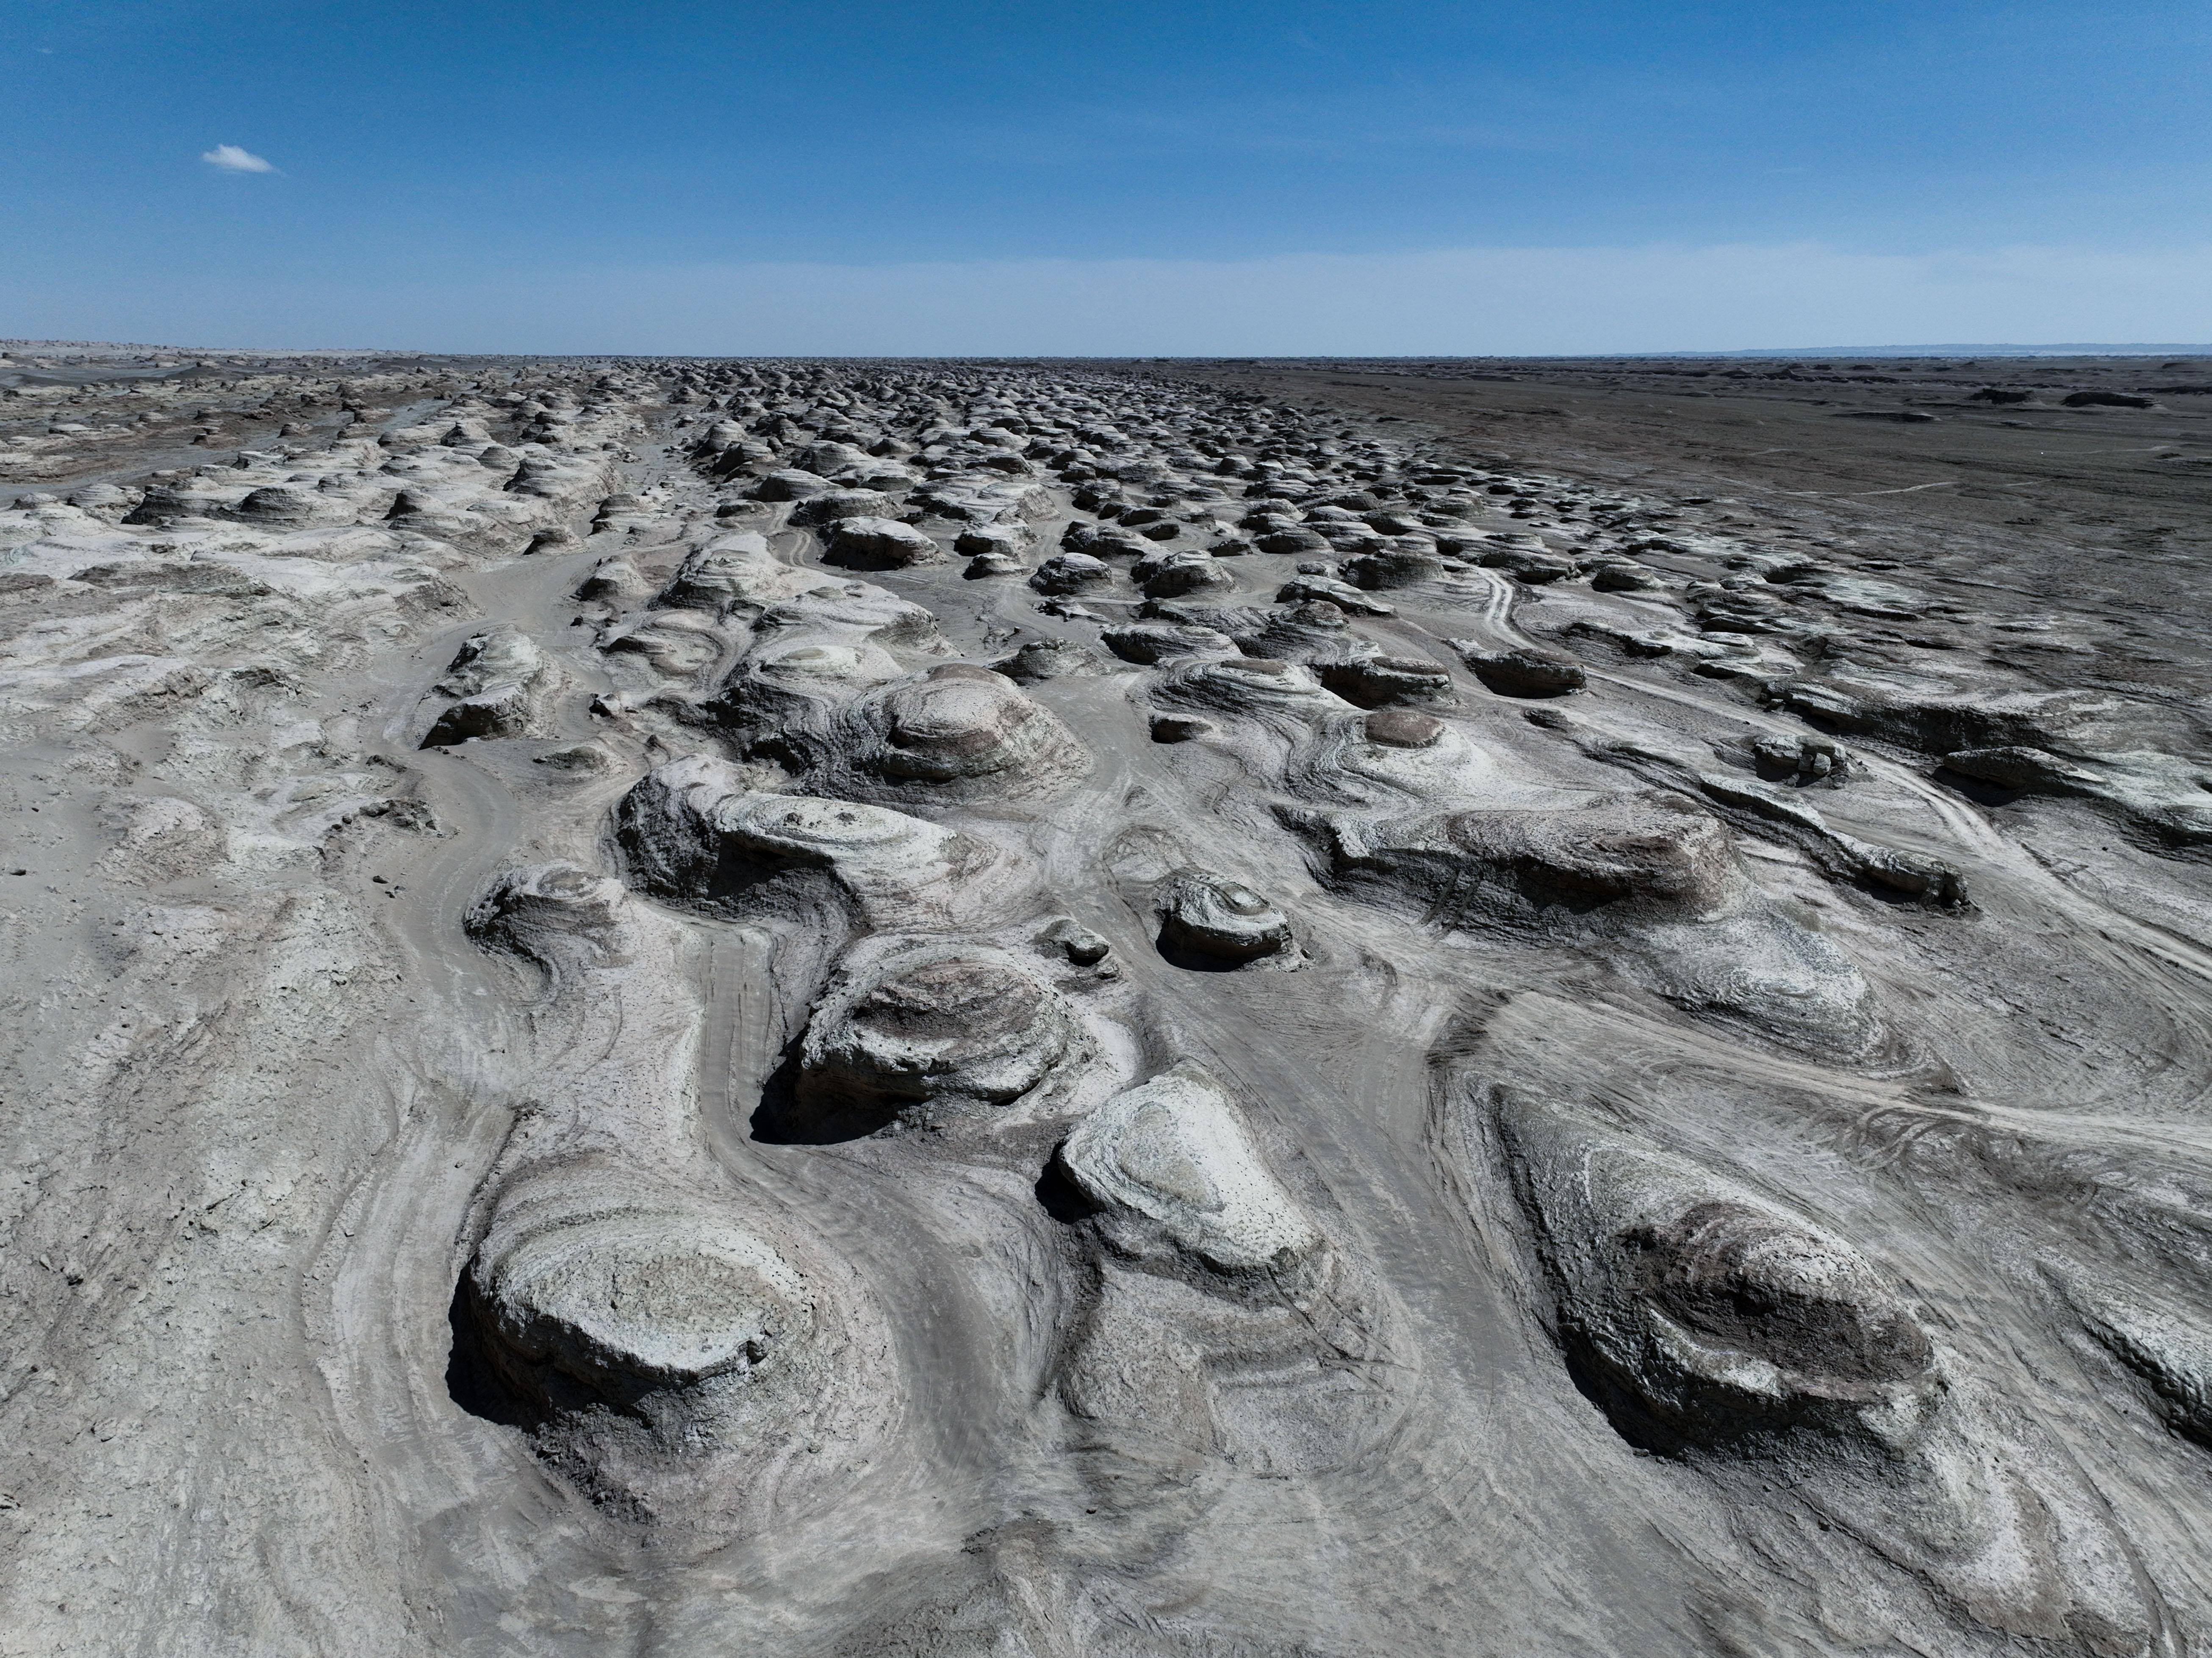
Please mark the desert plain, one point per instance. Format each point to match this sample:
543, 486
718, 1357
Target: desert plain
1046, 1009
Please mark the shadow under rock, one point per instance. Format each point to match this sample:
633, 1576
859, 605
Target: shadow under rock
471, 1381
785, 1117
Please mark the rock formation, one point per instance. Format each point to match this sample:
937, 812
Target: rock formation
948, 1009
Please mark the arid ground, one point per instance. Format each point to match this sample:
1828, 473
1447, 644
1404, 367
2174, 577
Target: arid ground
1337, 1008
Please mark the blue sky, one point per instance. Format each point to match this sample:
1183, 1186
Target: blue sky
1199, 177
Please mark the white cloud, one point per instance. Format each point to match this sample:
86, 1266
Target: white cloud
231, 159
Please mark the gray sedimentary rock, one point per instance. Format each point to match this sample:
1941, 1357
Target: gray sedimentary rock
1658, 881
1210, 918
1717, 1327
1049, 659
1070, 572
623, 1301
831, 505
792, 484
1170, 575
958, 731
928, 1030
865, 543
694, 834
1173, 1168
1371, 681
491, 685
1703, 1315
1126, 1110
1523, 672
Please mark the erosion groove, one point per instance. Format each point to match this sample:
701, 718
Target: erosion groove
683, 1007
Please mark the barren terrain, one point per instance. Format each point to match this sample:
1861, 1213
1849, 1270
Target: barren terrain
1326, 1008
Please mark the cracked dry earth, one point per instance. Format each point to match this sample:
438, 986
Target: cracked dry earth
705, 1007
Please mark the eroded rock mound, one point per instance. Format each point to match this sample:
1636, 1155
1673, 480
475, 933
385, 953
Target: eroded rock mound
1701, 1315
491, 684
933, 1030
963, 730
619, 1304
1208, 919
1171, 1168
869, 543
694, 834
1714, 1326
1647, 878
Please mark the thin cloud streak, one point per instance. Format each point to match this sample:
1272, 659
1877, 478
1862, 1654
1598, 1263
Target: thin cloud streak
231, 159
1471, 302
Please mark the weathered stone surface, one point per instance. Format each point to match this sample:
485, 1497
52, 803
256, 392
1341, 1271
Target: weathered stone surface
837, 1107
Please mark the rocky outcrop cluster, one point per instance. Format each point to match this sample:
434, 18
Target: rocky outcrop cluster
957, 1009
